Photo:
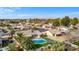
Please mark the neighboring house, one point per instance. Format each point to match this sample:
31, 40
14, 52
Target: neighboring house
39, 32
17, 26
58, 35
3, 34
26, 33
34, 32
64, 30
42, 30
3, 42
0, 30
71, 26
57, 32
43, 25
77, 26
53, 32
50, 25
6, 35
0, 43
27, 27
47, 26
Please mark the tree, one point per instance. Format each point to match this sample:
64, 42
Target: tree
49, 21
29, 45
65, 21
12, 47
43, 36
56, 22
20, 39
2, 24
74, 21
35, 28
12, 31
57, 46
25, 42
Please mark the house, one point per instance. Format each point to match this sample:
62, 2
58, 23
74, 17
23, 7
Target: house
58, 35
47, 26
6, 35
3, 34
25, 32
53, 32
0, 43
27, 27
71, 26
4, 43
50, 25
17, 26
63, 29
42, 30
57, 32
39, 32
77, 26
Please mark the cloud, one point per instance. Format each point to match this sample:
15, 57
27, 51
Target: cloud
5, 10
8, 12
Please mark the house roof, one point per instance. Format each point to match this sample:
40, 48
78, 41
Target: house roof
0, 41
36, 32
77, 25
27, 33
42, 30
55, 31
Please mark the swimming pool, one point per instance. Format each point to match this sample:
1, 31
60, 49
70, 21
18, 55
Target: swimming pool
39, 41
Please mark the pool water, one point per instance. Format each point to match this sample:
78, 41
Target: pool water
39, 41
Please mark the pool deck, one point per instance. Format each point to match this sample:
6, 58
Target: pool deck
61, 38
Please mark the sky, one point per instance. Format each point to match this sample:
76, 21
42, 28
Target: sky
38, 12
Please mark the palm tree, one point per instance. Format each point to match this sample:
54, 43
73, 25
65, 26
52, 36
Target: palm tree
12, 31
20, 39
12, 47
25, 42
58, 46
29, 44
